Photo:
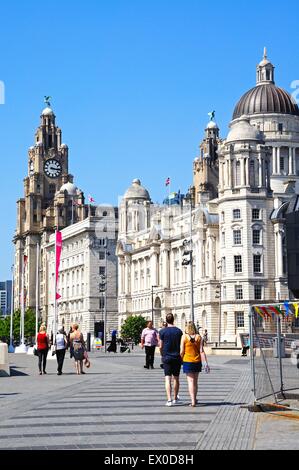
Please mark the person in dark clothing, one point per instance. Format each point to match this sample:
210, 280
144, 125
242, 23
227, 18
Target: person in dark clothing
69, 343
170, 347
113, 344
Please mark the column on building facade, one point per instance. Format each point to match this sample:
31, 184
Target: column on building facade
127, 275
230, 173
227, 173
154, 267
260, 164
294, 162
121, 275
278, 153
274, 161
279, 232
165, 275
211, 248
242, 172
291, 171
247, 172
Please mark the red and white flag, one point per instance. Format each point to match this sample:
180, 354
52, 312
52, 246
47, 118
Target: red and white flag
91, 199
58, 250
167, 182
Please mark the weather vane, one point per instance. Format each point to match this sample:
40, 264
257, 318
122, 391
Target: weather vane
212, 115
47, 101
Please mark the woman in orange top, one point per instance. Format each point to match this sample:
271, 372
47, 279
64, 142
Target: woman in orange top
193, 356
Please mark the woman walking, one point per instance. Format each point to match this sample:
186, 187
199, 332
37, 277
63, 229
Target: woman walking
193, 356
42, 349
78, 348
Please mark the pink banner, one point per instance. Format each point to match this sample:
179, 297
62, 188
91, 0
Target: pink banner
58, 246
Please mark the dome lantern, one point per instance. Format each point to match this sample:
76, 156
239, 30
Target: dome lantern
266, 97
265, 71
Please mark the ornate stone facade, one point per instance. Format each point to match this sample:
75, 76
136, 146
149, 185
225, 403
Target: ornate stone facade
241, 189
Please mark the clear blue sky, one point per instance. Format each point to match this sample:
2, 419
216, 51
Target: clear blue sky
132, 83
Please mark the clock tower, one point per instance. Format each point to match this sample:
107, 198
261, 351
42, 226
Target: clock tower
51, 201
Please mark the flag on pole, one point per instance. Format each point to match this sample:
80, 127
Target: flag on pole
167, 182
91, 199
266, 313
296, 310
259, 312
58, 250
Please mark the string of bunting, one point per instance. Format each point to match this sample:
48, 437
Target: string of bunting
286, 310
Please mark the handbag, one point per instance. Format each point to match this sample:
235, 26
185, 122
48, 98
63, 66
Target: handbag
35, 351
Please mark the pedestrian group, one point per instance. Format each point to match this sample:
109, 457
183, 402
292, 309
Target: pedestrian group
177, 349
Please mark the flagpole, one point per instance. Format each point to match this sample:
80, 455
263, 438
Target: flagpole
37, 293
23, 306
22, 348
11, 348
55, 290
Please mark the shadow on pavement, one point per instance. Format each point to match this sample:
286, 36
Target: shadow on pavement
14, 372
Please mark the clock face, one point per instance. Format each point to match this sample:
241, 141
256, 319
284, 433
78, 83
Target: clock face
53, 168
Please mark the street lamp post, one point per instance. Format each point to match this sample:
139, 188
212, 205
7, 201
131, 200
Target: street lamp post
189, 262
153, 318
103, 288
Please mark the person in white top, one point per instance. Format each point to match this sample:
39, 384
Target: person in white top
60, 345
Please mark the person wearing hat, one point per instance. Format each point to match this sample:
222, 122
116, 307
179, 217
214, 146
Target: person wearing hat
60, 346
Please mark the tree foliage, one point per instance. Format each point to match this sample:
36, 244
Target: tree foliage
132, 328
29, 325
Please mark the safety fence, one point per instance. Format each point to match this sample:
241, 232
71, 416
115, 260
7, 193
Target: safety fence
274, 352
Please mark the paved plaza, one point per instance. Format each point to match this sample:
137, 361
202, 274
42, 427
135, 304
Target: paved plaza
120, 405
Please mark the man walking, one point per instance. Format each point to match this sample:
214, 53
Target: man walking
149, 341
170, 341
60, 344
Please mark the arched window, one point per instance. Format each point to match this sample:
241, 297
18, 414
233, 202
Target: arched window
237, 179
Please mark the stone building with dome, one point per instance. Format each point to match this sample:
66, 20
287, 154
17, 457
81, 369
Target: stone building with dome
241, 192
53, 202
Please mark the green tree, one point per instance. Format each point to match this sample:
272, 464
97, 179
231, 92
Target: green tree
4, 328
29, 325
132, 328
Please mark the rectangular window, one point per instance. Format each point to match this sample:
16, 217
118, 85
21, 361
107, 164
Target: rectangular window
101, 255
257, 264
102, 302
236, 214
240, 320
258, 293
281, 163
237, 237
239, 292
280, 128
102, 271
256, 214
238, 264
256, 235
